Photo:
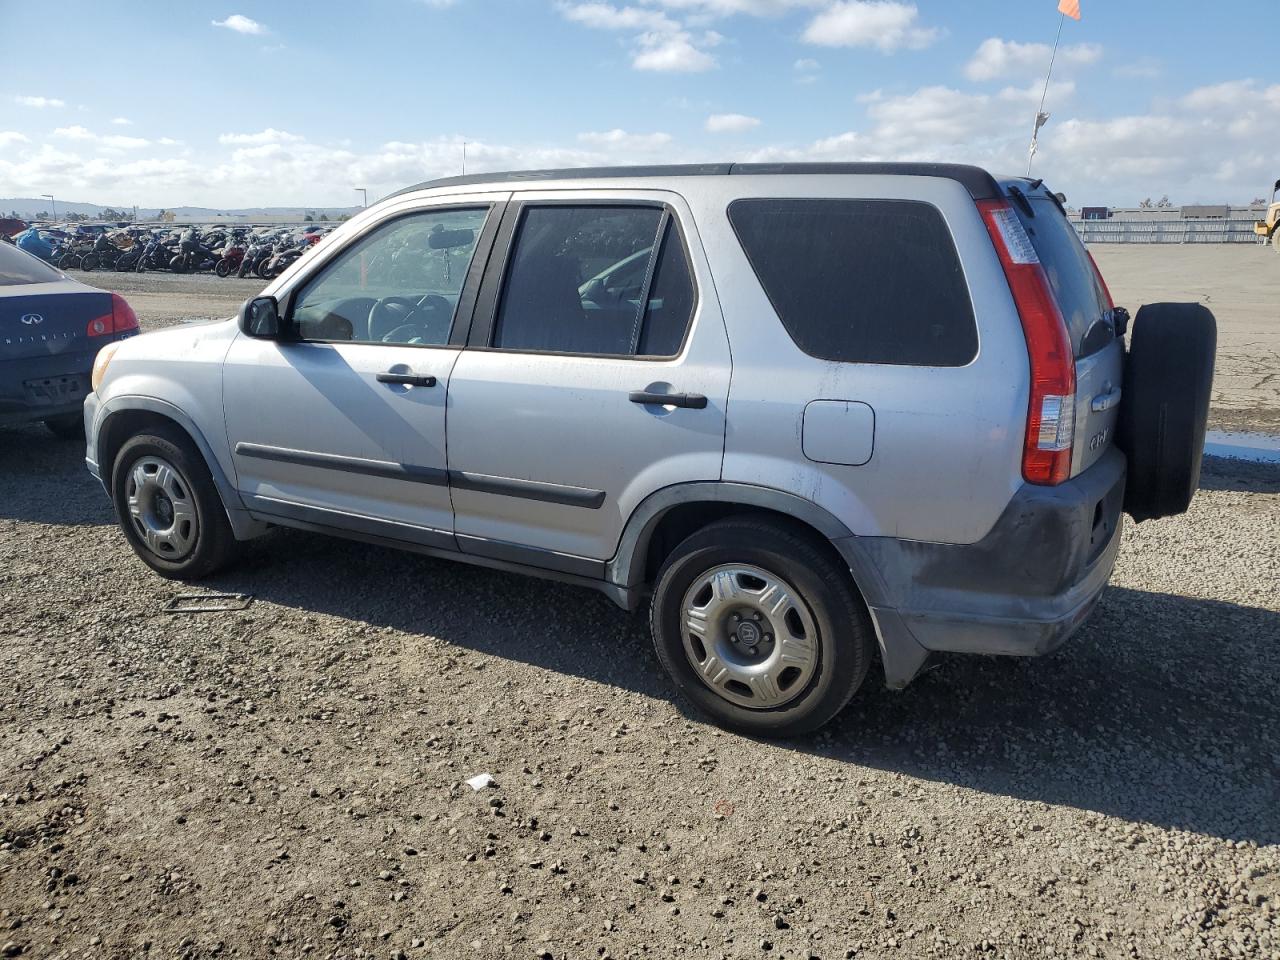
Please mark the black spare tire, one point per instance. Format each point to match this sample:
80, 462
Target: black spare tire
1167, 382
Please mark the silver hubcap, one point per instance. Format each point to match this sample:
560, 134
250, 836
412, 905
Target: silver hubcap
749, 635
161, 509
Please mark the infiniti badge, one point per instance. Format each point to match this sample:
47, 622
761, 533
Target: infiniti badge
30, 319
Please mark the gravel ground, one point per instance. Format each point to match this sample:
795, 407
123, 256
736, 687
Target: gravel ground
288, 780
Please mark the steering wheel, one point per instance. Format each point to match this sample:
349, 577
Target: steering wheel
407, 319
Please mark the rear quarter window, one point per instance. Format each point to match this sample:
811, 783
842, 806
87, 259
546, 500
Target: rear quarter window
1071, 275
861, 281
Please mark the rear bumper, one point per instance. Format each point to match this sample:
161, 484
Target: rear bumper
1021, 590
29, 391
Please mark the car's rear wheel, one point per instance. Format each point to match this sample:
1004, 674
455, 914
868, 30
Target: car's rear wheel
1275, 239
760, 627
168, 506
69, 426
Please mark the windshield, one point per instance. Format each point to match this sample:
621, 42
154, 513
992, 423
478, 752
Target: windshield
17, 267
1071, 274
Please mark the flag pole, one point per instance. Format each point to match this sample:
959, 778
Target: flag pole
1035, 131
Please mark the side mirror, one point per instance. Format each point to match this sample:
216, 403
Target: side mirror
260, 317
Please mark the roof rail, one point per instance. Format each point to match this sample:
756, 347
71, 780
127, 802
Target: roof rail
980, 184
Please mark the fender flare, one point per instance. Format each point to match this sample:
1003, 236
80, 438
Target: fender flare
626, 569
244, 526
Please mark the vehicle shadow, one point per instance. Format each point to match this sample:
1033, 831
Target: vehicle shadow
1220, 473
44, 480
1161, 710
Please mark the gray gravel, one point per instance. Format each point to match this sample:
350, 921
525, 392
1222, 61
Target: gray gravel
288, 780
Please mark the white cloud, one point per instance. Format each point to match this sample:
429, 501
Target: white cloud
108, 141
731, 123
74, 133
269, 135
1001, 58
122, 121
39, 102
1200, 146
884, 24
806, 65
241, 24
662, 44
618, 139
671, 53
604, 16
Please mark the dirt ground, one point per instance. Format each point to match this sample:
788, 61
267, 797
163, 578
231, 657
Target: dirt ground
1240, 283
288, 780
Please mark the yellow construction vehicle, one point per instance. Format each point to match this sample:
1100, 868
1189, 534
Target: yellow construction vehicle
1269, 229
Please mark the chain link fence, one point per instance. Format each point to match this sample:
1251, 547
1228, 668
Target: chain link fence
1167, 231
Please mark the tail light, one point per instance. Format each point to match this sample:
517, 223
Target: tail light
1046, 450
121, 319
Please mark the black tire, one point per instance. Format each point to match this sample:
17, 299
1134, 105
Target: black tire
69, 426
125, 264
215, 545
844, 644
1168, 380
178, 264
68, 261
89, 263
223, 267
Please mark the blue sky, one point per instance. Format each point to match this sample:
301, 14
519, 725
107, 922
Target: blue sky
275, 103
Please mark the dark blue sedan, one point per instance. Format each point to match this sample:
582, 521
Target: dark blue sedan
51, 329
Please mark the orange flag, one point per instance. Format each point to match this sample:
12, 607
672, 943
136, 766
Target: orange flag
1070, 8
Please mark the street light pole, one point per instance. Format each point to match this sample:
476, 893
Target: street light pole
364, 194
52, 202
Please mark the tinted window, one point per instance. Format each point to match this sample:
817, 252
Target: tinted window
1071, 275
861, 281
398, 284
595, 280
18, 267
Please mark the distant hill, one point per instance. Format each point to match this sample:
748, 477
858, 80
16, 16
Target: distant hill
28, 207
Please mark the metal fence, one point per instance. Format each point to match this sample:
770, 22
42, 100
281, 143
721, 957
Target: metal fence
1166, 231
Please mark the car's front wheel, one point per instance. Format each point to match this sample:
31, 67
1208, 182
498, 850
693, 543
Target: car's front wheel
168, 506
760, 627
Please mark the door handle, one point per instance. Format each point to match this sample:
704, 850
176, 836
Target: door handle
691, 401
1105, 401
409, 379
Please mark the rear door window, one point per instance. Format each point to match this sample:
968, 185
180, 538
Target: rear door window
596, 279
1070, 272
861, 281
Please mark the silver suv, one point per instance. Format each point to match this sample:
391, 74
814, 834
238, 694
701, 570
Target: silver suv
811, 413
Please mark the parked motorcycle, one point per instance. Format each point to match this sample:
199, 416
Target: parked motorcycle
193, 255
256, 257
103, 253
232, 257
156, 254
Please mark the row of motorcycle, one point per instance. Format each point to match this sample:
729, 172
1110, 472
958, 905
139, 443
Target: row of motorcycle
264, 253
